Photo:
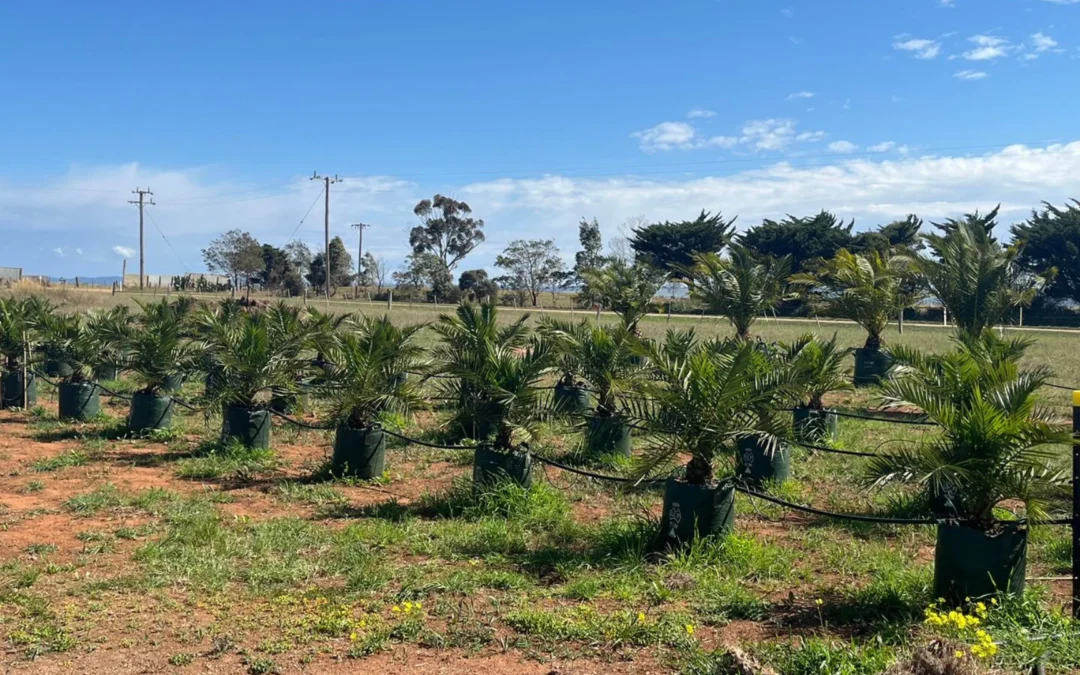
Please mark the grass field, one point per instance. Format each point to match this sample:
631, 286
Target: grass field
172, 554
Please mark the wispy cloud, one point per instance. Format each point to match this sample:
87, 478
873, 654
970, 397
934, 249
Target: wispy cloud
762, 135
921, 47
842, 147
800, 95
987, 48
884, 146
124, 251
1042, 42
58, 252
970, 75
696, 113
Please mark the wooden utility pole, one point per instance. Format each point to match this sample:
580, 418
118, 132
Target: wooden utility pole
327, 182
360, 251
142, 252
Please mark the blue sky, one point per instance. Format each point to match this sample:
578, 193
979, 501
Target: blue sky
537, 114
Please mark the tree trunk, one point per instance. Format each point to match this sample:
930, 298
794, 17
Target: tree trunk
873, 343
699, 471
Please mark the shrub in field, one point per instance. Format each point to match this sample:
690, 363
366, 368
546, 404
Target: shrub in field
74, 345
626, 289
994, 444
21, 323
704, 402
821, 371
254, 352
605, 357
870, 289
741, 287
367, 375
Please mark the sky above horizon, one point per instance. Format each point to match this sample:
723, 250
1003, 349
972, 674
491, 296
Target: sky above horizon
536, 114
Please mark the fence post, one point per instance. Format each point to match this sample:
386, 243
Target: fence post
1076, 513
390, 302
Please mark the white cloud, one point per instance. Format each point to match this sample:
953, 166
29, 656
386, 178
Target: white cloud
59, 252
770, 134
194, 207
987, 48
787, 12
1043, 42
810, 136
922, 48
696, 113
666, 136
1064, 2
948, 3
884, 146
843, 147
78, 251
124, 251
800, 95
970, 75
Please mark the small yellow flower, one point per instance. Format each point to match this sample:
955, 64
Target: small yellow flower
408, 607
363, 624
993, 601
689, 629
354, 637
395, 609
641, 617
418, 605
819, 602
959, 654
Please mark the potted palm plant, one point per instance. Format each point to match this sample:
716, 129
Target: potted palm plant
253, 352
362, 380
20, 321
870, 289
467, 335
740, 287
159, 355
572, 394
71, 341
765, 455
180, 311
111, 327
511, 402
703, 403
822, 371
626, 289
994, 446
606, 358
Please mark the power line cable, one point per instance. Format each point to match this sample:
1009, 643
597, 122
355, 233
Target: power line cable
154, 223
308, 213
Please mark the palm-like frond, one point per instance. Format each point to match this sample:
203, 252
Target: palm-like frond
869, 288
626, 289
705, 400
603, 355
740, 287
821, 365
994, 442
368, 360
70, 338
21, 324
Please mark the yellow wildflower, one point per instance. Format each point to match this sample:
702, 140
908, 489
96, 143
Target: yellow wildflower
818, 602
354, 636
959, 654
395, 609
689, 629
641, 617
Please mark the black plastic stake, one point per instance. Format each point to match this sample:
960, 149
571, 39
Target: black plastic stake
1076, 513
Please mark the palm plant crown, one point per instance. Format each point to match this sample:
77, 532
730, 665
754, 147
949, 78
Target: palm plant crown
70, 338
254, 351
21, 322
365, 373
994, 442
821, 365
975, 277
155, 347
626, 289
706, 400
740, 287
869, 288
603, 355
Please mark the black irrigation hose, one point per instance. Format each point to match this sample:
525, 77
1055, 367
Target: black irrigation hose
875, 418
298, 423
598, 476
437, 446
1062, 386
840, 516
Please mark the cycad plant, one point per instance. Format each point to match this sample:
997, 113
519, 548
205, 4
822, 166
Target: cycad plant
362, 380
254, 353
111, 328
704, 403
466, 335
155, 350
70, 340
626, 289
973, 275
20, 329
994, 446
607, 357
741, 287
572, 394
870, 289
821, 371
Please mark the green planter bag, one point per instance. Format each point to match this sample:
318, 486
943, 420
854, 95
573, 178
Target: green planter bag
283, 401
970, 562
250, 427
79, 401
359, 452
12, 388
757, 465
491, 466
607, 435
572, 399
174, 383
692, 511
150, 411
107, 373
814, 426
871, 366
